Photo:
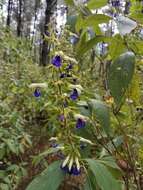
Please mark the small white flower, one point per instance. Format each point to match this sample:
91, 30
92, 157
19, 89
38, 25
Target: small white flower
66, 161
71, 163
53, 139
77, 163
38, 85
77, 116
86, 141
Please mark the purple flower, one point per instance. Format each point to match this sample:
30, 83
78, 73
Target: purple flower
55, 145
83, 146
65, 169
69, 67
73, 171
74, 95
80, 123
37, 93
62, 75
62, 118
74, 40
57, 61
115, 3
65, 104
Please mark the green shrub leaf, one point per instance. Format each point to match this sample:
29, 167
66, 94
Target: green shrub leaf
51, 178
104, 178
120, 75
101, 113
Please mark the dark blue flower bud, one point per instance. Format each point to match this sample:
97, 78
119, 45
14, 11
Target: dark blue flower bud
115, 3
65, 104
82, 146
75, 171
62, 75
69, 67
65, 169
55, 145
37, 93
80, 123
74, 95
74, 40
57, 61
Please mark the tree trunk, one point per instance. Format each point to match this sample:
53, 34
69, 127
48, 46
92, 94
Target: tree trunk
19, 19
50, 8
9, 11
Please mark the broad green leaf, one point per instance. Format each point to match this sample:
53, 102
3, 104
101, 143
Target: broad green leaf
104, 178
51, 178
136, 11
101, 113
117, 46
138, 16
96, 4
94, 21
109, 161
38, 158
69, 2
117, 142
134, 90
88, 45
79, 23
137, 46
90, 182
120, 74
71, 21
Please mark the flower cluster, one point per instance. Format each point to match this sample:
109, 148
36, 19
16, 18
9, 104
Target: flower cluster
71, 166
74, 170
115, 3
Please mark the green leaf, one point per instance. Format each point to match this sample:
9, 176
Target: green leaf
138, 16
96, 4
119, 76
109, 161
101, 113
85, 46
104, 178
90, 182
117, 142
117, 46
94, 21
71, 22
137, 47
69, 2
51, 178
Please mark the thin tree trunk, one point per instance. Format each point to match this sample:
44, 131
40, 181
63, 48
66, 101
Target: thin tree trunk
19, 19
9, 11
51, 5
